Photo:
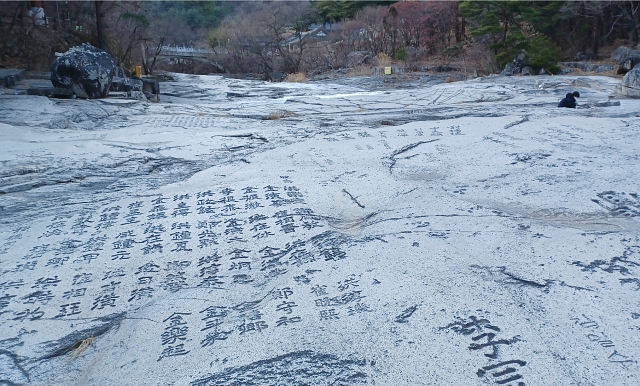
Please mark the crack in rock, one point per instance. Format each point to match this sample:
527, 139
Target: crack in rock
516, 123
353, 198
405, 149
512, 278
406, 314
68, 343
11, 373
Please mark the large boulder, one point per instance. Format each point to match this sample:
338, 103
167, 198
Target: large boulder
580, 56
151, 88
86, 70
630, 85
622, 53
627, 63
632, 78
588, 67
358, 58
514, 67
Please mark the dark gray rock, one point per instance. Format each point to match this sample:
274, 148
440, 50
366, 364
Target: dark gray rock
358, 58
607, 103
588, 67
86, 70
628, 63
239, 95
585, 56
527, 70
165, 78
9, 81
150, 84
9, 77
120, 73
126, 84
622, 53
50, 92
514, 67
136, 88
603, 68
155, 98
151, 88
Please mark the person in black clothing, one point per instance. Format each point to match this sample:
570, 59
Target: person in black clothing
569, 100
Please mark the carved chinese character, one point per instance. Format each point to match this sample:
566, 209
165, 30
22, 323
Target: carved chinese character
282, 293
358, 308
329, 314
284, 321
68, 310
149, 267
257, 217
508, 371
105, 300
140, 293
237, 265
171, 351
319, 290
82, 278
175, 282
28, 313
286, 307
74, 293
252, 326
44, 283
42, 297
347, 283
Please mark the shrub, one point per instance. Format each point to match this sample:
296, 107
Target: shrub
542, 53
402, 55
295, 77
383, 59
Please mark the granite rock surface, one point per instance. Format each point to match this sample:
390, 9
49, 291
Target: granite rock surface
630, 85
371, 231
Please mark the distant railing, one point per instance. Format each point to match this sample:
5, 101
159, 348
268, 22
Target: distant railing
185, 51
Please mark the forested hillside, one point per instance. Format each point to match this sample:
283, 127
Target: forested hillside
275, 38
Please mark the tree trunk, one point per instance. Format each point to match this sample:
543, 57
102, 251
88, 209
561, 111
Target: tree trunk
597, 32
102, 39
634, 23
145, 64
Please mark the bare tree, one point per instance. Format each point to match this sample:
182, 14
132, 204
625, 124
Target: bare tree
373, 33
631, 10
267, 38
427, 24
127, 24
